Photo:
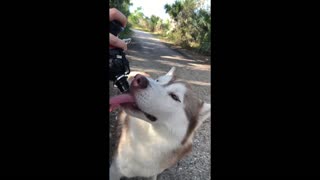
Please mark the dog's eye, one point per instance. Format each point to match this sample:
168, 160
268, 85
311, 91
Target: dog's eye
174, 97
157, 80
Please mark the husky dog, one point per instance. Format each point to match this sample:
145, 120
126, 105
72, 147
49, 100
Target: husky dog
159, 120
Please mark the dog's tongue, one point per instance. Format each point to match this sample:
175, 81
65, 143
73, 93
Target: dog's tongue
115, 101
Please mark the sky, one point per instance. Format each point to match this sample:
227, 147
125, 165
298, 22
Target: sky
152, 7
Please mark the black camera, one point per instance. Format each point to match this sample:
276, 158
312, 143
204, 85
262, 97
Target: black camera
119, 69
118, 63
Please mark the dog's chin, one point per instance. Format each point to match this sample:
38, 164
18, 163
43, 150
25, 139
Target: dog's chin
131, 106
132, 109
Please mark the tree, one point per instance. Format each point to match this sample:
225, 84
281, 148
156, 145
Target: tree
193, 23
174, 9
121, 5
153, 22
136, 17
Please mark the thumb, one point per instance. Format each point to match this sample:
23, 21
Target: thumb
115, 41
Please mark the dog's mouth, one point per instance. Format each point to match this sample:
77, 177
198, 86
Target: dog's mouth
125, 100
129, 102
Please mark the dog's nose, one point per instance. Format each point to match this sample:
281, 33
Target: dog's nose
140, 81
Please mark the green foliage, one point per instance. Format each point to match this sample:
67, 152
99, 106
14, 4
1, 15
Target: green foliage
153, 22
190, 26
137, 19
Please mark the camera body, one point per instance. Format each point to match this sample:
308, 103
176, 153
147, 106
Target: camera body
118, 63
119, 69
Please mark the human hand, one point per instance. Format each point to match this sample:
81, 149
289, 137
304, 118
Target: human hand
115, 14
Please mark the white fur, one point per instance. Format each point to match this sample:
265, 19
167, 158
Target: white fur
147, 143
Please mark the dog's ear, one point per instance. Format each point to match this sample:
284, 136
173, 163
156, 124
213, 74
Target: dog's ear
204, 112
171, 72
170, 76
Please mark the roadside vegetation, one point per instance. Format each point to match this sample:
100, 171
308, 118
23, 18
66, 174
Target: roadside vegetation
189, 27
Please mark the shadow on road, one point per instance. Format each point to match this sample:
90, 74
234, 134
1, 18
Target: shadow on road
152, 56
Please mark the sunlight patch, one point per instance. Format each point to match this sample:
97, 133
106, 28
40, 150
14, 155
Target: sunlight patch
177, 58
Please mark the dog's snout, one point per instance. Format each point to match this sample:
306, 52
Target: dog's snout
140, 81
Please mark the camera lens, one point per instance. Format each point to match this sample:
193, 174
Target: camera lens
123, 84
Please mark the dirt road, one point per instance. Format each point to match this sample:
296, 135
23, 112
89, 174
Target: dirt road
146, 53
